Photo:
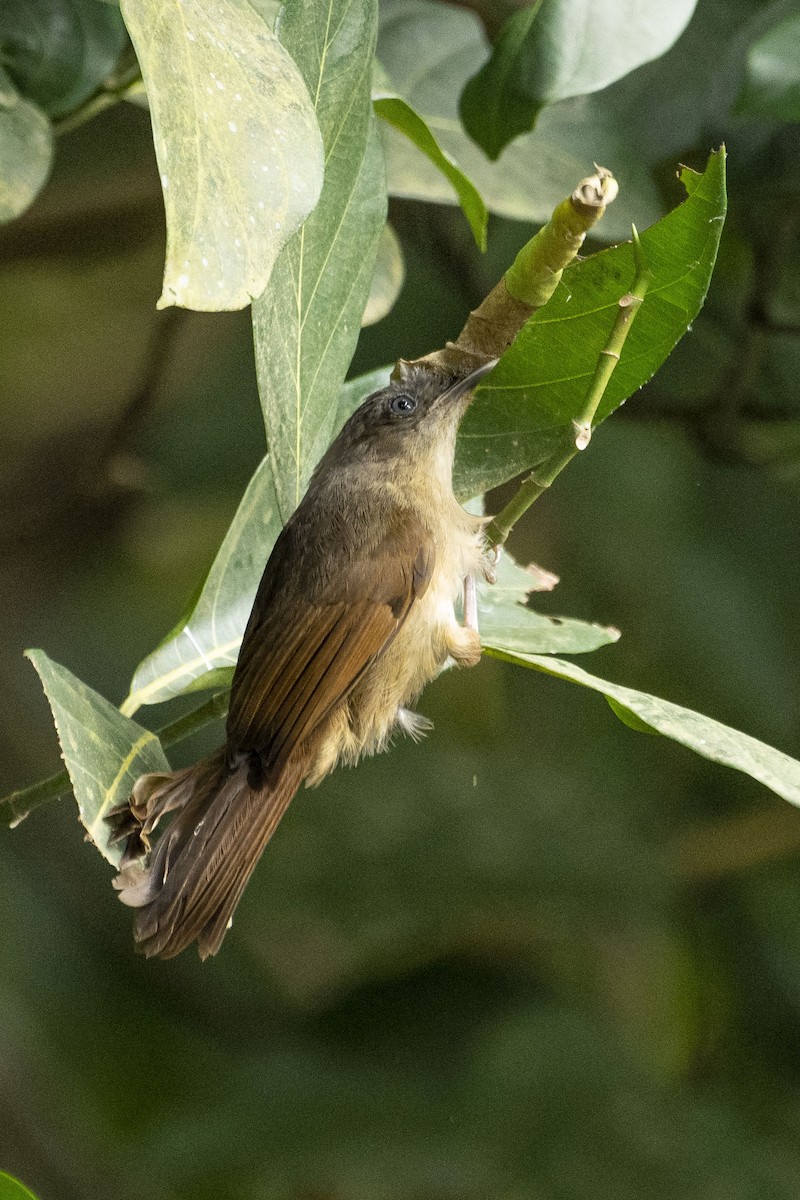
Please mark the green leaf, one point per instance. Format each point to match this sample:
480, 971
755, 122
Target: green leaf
507, 623
429, 51
772, 79
704, 735
104, 751
520, 416
12, 1189
58, 51
387, 278
8, 93
498, 103
237, 145
566, 48
268, 10
26, 151
307, 322
399, 113
209, 636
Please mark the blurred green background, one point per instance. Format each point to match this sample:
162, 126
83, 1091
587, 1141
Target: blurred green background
537, 956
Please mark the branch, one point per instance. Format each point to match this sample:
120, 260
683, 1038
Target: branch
527, 284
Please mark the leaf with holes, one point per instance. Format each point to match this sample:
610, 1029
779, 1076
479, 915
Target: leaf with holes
508, 623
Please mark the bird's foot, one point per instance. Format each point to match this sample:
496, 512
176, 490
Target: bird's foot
491, 560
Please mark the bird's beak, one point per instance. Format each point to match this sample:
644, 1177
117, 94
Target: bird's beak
468, 384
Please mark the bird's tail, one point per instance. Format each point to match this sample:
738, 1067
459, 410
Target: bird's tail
188, 889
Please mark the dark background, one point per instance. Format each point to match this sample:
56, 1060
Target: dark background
538, 955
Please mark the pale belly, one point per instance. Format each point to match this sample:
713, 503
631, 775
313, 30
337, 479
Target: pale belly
429, 636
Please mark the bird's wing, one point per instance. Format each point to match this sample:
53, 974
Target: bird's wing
307, 644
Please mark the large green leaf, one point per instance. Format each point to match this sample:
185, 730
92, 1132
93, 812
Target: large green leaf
58, 51
401, 116
237, 144
105, 752
523, 412
702, 734
26, 150
429, 51
772, 80
683, 98
564, 48
307, 322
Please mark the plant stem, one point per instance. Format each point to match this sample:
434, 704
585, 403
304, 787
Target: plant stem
527, 284
16, 807
106, 96
579, 432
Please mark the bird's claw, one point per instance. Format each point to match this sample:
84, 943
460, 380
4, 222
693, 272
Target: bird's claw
491, 560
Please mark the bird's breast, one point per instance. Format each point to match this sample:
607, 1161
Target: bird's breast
414, 656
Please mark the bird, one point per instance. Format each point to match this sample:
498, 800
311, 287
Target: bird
354, 615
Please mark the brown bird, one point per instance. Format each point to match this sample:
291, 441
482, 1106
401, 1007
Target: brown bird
353, 616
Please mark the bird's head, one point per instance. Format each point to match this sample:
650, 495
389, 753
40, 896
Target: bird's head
410, 418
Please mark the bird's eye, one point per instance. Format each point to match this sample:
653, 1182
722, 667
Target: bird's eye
402, 405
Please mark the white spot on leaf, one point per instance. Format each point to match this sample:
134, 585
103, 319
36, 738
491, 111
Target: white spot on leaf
194, 56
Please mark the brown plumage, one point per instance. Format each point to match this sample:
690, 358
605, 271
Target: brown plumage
354, 614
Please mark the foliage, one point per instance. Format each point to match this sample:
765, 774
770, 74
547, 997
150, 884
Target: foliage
566, 48
12, 1189
306, 324
501, 938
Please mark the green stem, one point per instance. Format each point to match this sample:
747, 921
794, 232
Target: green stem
107, 95
17, 806
579, 432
